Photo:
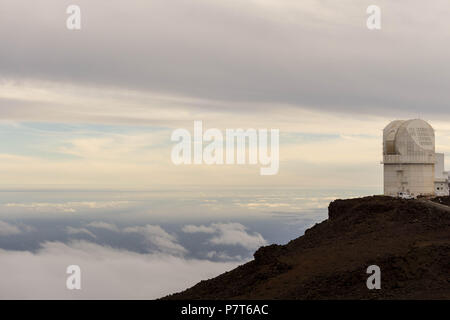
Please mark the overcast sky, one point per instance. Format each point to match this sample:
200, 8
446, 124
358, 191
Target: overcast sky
142, 68
95, 109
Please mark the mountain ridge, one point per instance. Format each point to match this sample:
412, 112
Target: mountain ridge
408, 239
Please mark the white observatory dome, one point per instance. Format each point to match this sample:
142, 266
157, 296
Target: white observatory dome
409, 138
409, 158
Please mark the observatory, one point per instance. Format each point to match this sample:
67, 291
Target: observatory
411, 165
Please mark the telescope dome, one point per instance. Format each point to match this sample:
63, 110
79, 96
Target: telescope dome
410, 137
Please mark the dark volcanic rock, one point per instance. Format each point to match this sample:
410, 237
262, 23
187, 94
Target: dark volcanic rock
408, 239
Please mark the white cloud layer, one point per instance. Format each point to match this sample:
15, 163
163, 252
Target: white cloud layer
233, 233
67, 207
103, 225
106, 273
157, 236
190, 228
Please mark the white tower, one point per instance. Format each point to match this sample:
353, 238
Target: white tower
409, 158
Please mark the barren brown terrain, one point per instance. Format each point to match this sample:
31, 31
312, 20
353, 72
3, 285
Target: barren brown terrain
408, 239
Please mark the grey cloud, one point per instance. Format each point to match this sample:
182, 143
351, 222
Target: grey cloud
7, 229
311, 55
77, 231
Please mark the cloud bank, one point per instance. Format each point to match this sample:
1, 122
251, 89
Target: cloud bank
235, 234
106, 273
157, 236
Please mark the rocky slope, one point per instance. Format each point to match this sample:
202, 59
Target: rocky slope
408, 239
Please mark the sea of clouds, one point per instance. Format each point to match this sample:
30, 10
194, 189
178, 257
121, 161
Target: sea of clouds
115, 273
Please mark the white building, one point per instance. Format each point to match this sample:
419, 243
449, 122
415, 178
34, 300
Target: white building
441, 182
411, 164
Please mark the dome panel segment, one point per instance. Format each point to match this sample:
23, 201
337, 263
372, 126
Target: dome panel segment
422, 134
389, 136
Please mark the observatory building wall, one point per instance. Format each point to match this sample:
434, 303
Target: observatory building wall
409, 158
416, 179
442, 178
